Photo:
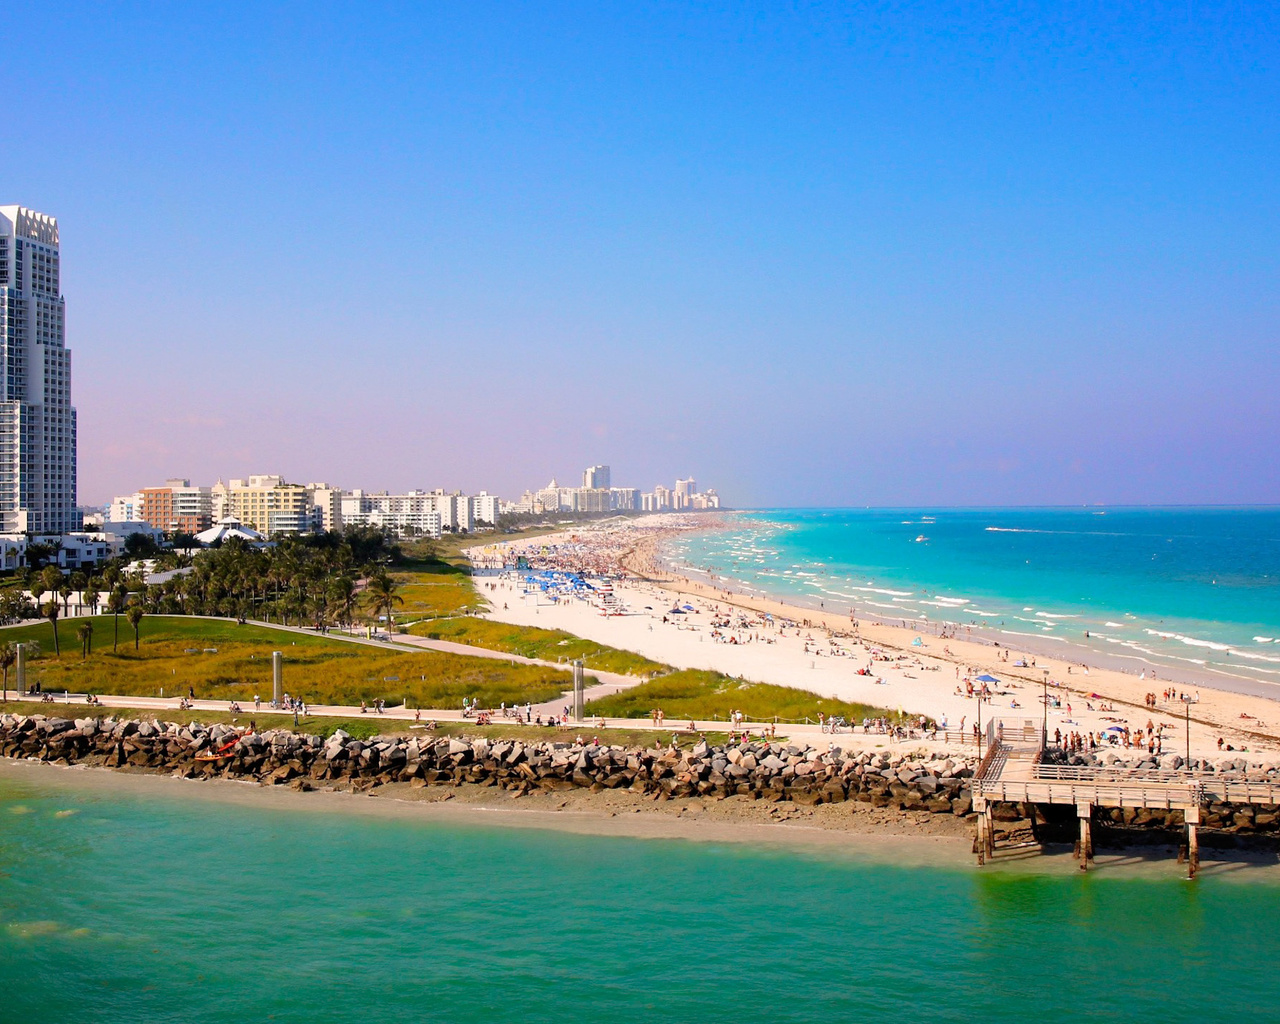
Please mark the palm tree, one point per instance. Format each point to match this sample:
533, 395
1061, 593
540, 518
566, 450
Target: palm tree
342, 600
380, 592
51, 613
79, 581
65, 591
85, 632
134, 615
116, 601
90, 595
51, 577
8, 656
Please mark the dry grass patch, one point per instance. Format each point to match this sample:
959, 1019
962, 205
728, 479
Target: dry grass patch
222, 660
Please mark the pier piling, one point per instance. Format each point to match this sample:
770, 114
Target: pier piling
1085, 849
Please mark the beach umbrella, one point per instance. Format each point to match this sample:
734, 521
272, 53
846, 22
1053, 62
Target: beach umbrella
984, 678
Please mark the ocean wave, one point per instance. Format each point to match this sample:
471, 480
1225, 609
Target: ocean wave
882, 590
1190, 641
1252, 656
1037, 636
1264, 640
1056, 615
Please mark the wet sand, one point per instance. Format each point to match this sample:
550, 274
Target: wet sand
845, 831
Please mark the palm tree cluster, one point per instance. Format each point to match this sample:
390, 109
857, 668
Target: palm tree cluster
302, 581
318, 581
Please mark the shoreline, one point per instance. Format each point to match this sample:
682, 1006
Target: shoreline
1088, 694
866, 837
1165, 670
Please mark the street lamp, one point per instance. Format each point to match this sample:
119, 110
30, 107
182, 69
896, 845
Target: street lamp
1186, 703
978, 742
1044, 729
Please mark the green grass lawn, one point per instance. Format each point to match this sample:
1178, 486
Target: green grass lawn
362, 727
222, 660
532, 642
703, 695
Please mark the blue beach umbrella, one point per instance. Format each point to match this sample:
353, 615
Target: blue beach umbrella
984, 678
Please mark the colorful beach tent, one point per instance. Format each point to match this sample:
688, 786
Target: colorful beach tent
984, 678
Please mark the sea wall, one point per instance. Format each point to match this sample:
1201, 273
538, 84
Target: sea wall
763, 771
766, 771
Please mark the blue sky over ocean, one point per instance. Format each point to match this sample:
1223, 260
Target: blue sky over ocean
948, 253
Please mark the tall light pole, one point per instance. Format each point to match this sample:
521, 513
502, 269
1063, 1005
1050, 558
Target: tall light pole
978, 743
1186, 703
1044, 729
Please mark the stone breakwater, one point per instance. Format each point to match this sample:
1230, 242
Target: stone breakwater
766, 771
804, 776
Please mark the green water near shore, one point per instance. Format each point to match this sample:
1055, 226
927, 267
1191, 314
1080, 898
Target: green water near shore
151, 906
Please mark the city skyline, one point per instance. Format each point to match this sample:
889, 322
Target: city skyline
831, 257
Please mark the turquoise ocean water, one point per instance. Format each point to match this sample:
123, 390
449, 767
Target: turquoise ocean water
151, 907
1174, 587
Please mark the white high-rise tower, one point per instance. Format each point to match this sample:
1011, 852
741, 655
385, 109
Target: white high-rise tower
37, 422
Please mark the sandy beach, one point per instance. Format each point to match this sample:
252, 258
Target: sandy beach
909, 670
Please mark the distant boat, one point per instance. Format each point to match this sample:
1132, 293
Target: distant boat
921, 539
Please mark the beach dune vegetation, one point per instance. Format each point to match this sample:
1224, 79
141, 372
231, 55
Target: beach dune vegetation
713, 696
532, 642
219, 659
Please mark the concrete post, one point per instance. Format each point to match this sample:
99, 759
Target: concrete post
1193, 842
1085, 813
277, 680
20, 669
577, 691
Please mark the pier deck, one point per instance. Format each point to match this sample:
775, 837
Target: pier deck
1012, 772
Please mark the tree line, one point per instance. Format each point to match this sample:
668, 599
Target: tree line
317, 580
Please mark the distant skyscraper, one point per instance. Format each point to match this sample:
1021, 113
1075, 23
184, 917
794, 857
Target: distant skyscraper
37, 422
596, 478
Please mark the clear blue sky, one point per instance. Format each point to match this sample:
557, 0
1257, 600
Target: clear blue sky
810, 253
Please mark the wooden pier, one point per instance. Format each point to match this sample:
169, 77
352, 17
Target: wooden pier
1012, 772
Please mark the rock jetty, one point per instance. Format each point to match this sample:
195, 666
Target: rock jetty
766, 771
804, 776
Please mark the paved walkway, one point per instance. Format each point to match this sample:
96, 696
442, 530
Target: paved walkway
269, 717
607, 683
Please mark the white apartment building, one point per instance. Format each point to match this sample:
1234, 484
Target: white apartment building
416, 513
37, 421
125, 508
485, 508
328, 501
595, 477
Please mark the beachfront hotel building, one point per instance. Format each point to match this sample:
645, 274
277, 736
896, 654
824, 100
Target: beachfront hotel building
177, 507
37, 420
264, 503
327, 501
270, 506
595, 478
414, 514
